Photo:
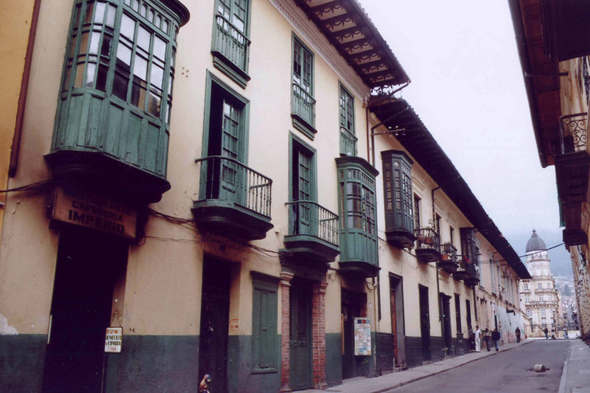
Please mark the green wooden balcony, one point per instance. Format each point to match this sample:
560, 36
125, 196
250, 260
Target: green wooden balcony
347, 142
461, 272
449, 260
427, 245
230, 50
234, 200
472, 278
313, 232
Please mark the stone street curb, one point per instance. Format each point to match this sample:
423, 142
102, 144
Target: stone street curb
563, 381
400, 384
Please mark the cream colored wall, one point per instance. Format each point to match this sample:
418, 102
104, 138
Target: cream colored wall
15, 25
405, 264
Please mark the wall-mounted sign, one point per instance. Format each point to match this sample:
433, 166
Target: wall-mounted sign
113, 340
362, 337
94, 212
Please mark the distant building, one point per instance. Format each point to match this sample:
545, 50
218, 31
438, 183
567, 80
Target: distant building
541, 298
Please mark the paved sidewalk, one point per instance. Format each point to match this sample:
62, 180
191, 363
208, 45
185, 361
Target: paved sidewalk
395, 380
576, 371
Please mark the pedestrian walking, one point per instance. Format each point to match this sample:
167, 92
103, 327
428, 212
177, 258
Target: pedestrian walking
477, 339
517, 332
565, 334
487, 337
546, 333
496, 338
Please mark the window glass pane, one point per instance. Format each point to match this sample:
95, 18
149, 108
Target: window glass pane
99, 14
128, 2
165, 26
158, 20
150, 16
127, 26
88, 16
67, 79
105, 49
124, 54
143, 10
140, 67
79, 75
78, 10
90, 75
84, 44
136, 5
120, 86
168, 108
111, 16
159, 48
143, 38
156, 76
101, 80
94, 40
154, 103
72, 47
138, 93
170, 82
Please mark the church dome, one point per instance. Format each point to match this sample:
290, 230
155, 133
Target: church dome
535, 243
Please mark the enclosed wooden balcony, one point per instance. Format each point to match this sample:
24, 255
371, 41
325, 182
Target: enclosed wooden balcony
427, 245
449, 261
472, 278
572, 168
313, 233
230, 50
461, 272
234, 200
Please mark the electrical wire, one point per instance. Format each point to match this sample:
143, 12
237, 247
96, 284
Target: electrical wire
32, 186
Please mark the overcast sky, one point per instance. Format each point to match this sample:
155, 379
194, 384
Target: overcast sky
468, 89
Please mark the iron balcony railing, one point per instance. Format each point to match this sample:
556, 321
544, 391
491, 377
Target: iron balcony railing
227, 179
573, 133
231, 43
310, 218
427, 238
303, 105
449, 253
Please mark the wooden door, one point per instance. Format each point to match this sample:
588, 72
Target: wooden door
394, 327
425, 323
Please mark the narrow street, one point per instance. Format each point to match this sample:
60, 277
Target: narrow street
509, 371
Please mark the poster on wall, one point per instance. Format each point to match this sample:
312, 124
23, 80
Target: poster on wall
362, 337
113, 340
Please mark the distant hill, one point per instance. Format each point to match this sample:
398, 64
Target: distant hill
561, 264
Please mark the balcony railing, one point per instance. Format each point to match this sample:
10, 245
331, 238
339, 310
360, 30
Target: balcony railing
303, 105
231, 43
573, 133
347, 142
229, 180
428, 239
310, 218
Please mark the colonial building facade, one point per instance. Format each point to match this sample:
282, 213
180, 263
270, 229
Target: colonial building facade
554, 50
232, 189
541, 298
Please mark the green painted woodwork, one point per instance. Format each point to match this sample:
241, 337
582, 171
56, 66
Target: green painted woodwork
348, 138
230, 44
233, 198
358, 225
397, 187
264, 323
301, 344
117, 82
302, 89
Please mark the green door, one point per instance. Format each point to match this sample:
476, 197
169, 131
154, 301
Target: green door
230, 147
301, 336
304, 191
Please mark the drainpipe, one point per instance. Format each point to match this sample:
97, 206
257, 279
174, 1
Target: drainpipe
440, 314
22, 99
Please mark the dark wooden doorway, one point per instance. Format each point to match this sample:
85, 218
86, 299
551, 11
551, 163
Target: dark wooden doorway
397, 319
425, 323
300, 298
88, 263
215, 323
353, 306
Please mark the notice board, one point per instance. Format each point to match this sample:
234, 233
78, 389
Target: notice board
362, 337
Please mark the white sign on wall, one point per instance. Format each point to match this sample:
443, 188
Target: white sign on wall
113, 340
362, 337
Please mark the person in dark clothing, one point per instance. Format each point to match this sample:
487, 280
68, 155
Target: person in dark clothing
495, 338
517, 334
546, 331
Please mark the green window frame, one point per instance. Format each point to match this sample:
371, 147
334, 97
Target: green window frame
357, 208
302, 89
265, 338
117, 81
303, 217
230, 45
348, 138
397, 188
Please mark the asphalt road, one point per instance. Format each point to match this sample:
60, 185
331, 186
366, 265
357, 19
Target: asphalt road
508, 371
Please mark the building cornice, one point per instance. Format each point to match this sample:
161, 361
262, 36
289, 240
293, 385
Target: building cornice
307, 30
